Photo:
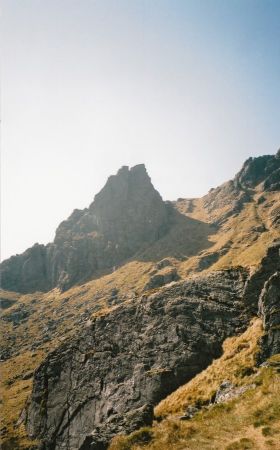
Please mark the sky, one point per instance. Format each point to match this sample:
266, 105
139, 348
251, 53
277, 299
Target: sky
191, 88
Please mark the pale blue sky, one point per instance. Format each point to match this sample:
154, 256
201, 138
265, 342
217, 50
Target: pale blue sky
191, 88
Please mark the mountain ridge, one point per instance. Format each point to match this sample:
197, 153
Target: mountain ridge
211, 269
127, 216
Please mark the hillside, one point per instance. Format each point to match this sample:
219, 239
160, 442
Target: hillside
129, 220
247, 418
134, 298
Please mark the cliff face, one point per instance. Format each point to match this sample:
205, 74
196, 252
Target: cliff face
269, 302
127, 215
269, 309
255, 286
263, 169
89, 388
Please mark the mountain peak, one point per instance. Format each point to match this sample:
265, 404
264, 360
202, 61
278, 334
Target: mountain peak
138, 168
259, 169
127, 215
129, 210
126, 185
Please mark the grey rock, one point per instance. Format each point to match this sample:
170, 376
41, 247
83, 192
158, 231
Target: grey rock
208, 259
232, 195
126, 423
269, 310
272, 182
126, 216
229, 391
190, 412
18, 315
160, 279
132, 357
257, 170
268, 266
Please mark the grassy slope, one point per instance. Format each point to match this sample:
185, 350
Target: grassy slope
246, 234
251, 421
237, 360
66, 310
244, 237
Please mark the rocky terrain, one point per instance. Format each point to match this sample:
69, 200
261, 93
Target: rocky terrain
152, 346
126, 215
135, 298
126, 219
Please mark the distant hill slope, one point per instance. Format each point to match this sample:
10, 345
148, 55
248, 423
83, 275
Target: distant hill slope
129, 220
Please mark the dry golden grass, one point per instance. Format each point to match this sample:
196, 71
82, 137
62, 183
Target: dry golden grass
246, 235
64, 309
251, 421
246, 246
14, 394
237, 361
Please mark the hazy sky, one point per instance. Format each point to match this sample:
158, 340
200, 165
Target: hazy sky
191, 88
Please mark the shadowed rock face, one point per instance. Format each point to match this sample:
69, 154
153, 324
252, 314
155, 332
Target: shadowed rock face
128, 212
270, 311
92, 386
258, 170
268, 266
269, 304
127, 215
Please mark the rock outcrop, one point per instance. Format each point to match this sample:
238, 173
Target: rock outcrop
91, 387
269, 265
269, 308
163, 273
126, 216
228, 391
258, 170
229, 198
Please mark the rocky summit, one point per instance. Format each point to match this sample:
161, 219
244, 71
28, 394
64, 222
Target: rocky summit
126, 216
148, 323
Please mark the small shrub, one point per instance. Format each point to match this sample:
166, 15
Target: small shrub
242, 372
267, 431
141, 437
242, 444
224, 406
10, 444
119, 443
8, 382
258, 423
